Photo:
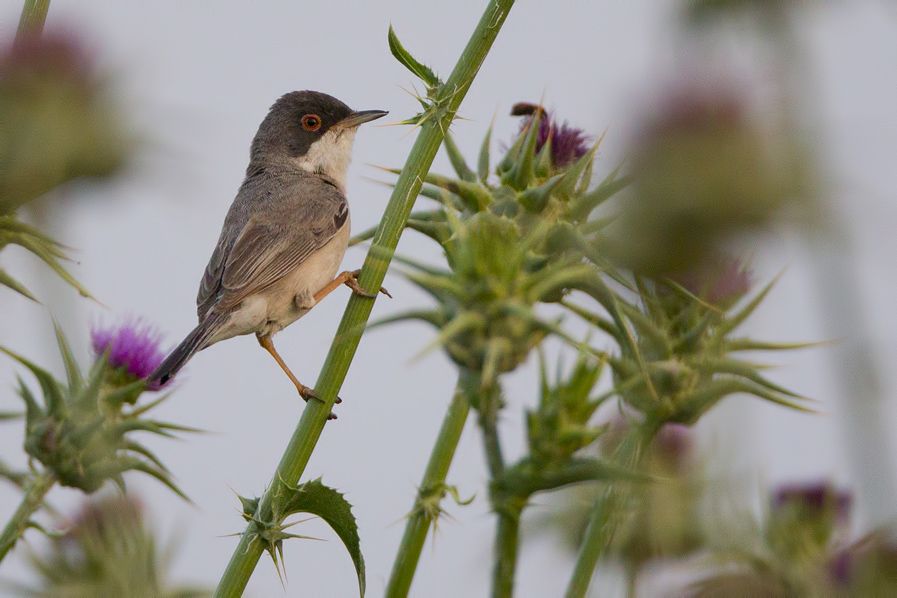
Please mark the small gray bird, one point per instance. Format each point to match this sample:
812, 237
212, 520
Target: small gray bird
285, 235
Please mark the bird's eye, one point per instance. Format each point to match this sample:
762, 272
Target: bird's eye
311, 122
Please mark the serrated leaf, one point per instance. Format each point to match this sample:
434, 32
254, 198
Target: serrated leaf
317, 499
421, 71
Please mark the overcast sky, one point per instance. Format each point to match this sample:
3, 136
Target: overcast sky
197, 77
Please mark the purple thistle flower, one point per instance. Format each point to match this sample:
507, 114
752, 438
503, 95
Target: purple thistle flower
133, 348
814, 498
719, 280
568, 143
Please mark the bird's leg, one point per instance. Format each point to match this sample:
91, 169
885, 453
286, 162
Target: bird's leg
304, 391
350, 279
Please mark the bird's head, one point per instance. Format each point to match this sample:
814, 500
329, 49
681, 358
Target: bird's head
311, 130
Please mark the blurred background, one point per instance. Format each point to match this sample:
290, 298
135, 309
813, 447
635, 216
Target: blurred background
193, 81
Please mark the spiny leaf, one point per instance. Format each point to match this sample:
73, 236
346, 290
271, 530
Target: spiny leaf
9, 281
523, 169
72, 371
49, 386
328, 504
50, 256
483, 161
421, 71
583, 205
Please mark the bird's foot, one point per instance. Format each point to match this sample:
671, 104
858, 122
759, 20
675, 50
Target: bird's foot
352, 283
309, 393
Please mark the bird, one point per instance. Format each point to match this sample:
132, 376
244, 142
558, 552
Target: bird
285, 234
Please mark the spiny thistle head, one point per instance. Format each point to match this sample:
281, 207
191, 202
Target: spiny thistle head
703, 172
82, 429
680, 357
132, 350
568, 143
510, 244
561, 425
65, 126
106, 550
805, 519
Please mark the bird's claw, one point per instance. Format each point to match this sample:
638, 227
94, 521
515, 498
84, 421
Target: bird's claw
309, 393
352, 283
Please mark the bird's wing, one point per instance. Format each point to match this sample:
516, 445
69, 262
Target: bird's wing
273, 242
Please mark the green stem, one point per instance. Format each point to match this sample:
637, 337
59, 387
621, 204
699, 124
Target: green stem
507, 507
432, 485
34, 15
35, 491
348, 335
607, 513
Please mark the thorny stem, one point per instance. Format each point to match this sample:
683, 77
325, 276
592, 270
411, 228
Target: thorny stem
345, 343
608, 510
35, 491
419, 520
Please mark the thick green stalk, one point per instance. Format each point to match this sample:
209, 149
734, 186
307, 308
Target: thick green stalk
34, 14
607, 512
432, 487
348, 335
35, 491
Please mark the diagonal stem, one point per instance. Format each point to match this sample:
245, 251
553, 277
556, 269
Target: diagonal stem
34, 14
348, 335
35, 491
608, 510
433, 482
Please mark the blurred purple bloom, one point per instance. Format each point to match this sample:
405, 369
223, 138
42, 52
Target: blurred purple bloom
568, 143
53, 54
719, 279
132, 347
674, 441
815, 498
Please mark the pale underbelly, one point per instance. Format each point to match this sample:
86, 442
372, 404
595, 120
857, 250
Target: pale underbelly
289, 299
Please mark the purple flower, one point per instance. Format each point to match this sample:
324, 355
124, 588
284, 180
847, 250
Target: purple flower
718, 280
132, 348
568, 143
57, 55
815, 499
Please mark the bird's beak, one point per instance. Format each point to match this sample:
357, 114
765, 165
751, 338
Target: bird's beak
360, 117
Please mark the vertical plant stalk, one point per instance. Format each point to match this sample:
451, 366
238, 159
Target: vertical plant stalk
608, 512
507, 509
432, 486
34, 15
348, 335
35, 491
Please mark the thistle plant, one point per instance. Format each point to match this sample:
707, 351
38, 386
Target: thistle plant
80, 432
106, 549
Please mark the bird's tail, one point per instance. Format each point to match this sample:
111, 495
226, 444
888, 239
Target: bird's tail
194, 342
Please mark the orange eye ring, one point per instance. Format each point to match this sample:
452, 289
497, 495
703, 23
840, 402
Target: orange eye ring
311, 122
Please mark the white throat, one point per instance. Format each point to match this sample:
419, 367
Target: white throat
330, 155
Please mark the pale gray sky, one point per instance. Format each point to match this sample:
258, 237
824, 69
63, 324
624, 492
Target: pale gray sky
197, 77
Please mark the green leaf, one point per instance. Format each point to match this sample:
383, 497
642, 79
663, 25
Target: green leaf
50, 254
421, 71
72, 371
483, 161
328, 504
49, 386
457, 159
583, 205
